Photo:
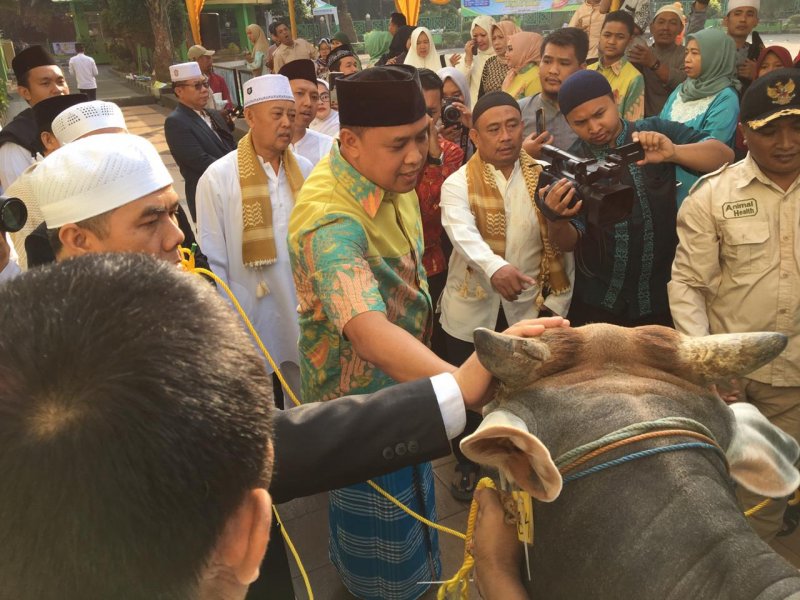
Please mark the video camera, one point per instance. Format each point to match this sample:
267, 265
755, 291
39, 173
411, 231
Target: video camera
596, 182
13, 214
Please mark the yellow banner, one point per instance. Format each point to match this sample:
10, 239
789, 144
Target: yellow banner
410, 8
194, 7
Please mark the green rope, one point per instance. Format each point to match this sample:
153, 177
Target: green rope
630, 431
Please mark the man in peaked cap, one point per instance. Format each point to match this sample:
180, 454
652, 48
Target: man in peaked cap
218, 85
736, 266
38, 77
355, 241
306, 142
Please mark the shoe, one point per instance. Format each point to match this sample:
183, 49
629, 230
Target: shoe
466, 478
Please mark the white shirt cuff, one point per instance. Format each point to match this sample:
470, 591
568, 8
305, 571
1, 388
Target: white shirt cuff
451, 403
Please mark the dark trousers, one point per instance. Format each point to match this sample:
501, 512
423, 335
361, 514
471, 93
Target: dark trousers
583, 314
457, 352
91, 93
438, 337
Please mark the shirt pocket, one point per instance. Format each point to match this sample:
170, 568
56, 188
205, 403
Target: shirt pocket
745, 246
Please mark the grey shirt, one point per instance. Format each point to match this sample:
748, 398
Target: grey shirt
554, 121
656, 91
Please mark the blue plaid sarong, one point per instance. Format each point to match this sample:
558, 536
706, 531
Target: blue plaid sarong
380, 551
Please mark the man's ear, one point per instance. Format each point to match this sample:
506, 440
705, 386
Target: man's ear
24, 92
76, 240
473, 135
350, 142
244, 540
49, 141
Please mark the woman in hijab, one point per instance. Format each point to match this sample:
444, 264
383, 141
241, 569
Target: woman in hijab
376, 43
257, 59
523, 56
771, 59
455, 89
496, 67
472, 64
399, 46
422, 52
324, 49
707, 100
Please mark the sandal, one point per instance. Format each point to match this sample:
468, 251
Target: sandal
463, 485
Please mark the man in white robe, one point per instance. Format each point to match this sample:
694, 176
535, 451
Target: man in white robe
262, 284
306, 142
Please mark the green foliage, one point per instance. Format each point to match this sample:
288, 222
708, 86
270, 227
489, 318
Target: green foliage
714, 9
4, 100
795, 20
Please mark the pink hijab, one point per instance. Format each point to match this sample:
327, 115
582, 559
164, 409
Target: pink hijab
508, 28
527, 50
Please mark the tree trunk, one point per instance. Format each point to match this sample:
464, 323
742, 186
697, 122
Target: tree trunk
346, 22
162, 52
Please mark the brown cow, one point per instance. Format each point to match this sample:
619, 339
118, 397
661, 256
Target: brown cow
664, 527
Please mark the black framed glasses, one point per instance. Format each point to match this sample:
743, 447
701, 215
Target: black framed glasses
197, 86
325, 97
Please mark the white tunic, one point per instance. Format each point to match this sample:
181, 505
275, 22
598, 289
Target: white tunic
328, 126
313, 146
85, 70
219, 229
469, 300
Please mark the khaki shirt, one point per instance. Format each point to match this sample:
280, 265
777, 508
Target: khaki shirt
286, 54
736, 266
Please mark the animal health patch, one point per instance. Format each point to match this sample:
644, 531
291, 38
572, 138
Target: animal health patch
740, 208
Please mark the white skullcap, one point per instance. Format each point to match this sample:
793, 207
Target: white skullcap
96, 174
86, 117
184, 72
266, 88
675, 9
323, 82
734, 4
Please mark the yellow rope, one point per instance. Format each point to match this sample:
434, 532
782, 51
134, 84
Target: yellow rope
457, 586
417, 516
751, 511
188, 264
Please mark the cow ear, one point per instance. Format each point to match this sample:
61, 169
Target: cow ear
762, 457
513, 360
503, 441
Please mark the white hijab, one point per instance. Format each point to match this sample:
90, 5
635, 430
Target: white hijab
432, 61
458, 78
485, 22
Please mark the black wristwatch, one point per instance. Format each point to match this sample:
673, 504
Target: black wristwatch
432, 160
655, 65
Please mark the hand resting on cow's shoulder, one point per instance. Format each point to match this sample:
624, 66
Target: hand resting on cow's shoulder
666, 525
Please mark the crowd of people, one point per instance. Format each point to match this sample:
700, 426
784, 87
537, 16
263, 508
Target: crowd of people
370, 219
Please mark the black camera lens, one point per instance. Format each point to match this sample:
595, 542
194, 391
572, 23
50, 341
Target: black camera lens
13, 214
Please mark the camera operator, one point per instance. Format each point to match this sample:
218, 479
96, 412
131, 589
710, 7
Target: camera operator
456, 115
624, 267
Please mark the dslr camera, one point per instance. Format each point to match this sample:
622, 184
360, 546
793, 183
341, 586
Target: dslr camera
605, 200
13, 214
450, 114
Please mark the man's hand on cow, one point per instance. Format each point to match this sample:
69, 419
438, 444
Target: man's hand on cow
534, 142
496, 549
510, 282
476, 383
558, 196
657, 147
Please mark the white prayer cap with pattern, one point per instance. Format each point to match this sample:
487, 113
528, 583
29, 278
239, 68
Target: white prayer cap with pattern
86, 117
95, 175
185, 72
266, 88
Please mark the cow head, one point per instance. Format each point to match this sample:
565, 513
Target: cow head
548, 372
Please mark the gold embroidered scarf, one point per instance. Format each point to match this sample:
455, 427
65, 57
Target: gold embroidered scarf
258, 237
487, 205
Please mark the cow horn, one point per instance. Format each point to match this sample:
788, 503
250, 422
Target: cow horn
513, 360
718, 357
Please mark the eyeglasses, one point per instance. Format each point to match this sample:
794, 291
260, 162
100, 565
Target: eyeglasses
197, 86
324, 98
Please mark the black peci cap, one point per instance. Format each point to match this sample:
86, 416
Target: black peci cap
48, 109
30, 58
381, 97
775, 95
303, 68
